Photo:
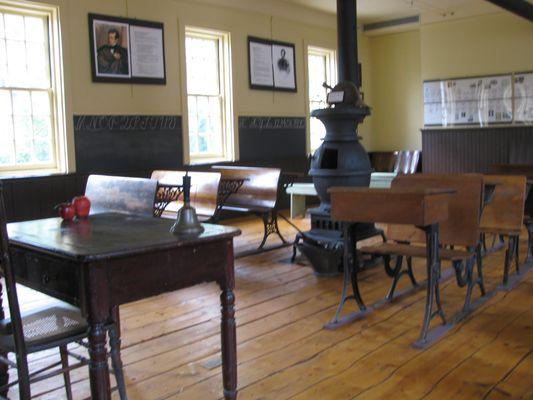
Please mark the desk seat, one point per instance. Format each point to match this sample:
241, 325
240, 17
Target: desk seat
415, 251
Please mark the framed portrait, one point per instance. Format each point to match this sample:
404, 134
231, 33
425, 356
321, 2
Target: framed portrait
271, 65
126, 50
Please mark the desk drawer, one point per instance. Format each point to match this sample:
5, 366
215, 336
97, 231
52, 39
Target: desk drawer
52, 276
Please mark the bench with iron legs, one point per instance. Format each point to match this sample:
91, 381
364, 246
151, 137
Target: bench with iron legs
205, 188
258, 195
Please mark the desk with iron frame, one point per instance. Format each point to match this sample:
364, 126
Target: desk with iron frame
424, 208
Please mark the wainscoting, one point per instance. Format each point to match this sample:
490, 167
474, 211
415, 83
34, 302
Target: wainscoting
475, 149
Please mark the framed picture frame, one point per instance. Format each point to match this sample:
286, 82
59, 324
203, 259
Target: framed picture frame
271, 65
126, 50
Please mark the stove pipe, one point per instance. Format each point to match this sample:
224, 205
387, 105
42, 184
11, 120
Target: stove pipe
347, 42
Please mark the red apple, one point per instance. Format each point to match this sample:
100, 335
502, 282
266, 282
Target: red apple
82, 205
66, 211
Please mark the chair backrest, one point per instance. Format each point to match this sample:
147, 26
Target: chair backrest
204, 190
512, 169
259, 190
506, 210
121, 194
383, 161
462, 226
11, 289
407, 161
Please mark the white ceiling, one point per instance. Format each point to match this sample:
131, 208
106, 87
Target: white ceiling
369, 11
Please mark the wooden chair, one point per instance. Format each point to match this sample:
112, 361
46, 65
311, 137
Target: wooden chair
460, 229
121, 194
258, 195
204, 192
39, 330
504, 215
527, 170
406, 161
383, 161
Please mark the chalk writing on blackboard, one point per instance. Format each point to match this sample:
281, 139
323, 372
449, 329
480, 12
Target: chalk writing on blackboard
109, 123
271, 123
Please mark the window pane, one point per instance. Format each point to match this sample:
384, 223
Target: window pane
38, 75
317, 76
21, 103
35, 29
202, 66
7, 149
5, 102
23, 139
42, 134
3, 63
318, 64
40, 103
16, 63
14, 26
2, 33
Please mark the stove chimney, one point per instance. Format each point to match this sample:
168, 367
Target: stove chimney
348, 65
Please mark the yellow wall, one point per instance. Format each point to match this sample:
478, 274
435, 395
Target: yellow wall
282, 21
396, 91
491, 44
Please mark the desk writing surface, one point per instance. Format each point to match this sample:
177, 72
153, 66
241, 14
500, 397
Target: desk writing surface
107, 235
397, 205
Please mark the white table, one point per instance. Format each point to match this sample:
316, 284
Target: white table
299, 191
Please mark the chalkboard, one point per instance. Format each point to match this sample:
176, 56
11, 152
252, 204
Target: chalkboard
270, 138
117, 144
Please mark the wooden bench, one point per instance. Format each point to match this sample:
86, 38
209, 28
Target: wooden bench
121, 194
527, 170
258, 195
204, 192
504, 215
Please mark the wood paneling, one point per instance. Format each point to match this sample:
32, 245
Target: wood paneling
475, 149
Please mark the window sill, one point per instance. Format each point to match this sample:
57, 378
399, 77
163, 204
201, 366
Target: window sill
200, 161
30, 174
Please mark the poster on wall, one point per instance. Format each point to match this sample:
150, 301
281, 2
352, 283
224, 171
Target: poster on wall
271, 65
126, 50
523, 101
469, 101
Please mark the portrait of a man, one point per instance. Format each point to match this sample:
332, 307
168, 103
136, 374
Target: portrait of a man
111, 49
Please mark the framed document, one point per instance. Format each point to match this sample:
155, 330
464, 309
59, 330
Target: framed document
271, 65
126, 50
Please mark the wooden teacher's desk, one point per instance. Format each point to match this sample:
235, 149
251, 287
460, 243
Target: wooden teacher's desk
111, 259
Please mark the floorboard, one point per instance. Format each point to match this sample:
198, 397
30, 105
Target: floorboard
171, 343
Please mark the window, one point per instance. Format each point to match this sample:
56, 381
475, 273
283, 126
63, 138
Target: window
209, 105
29, 99
321, 68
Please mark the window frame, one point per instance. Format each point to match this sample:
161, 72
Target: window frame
54, 59
331, 77
225, 96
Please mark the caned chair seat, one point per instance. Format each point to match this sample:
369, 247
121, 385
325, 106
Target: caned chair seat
415, 251
44, 328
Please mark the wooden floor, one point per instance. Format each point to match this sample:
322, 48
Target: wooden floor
171, 344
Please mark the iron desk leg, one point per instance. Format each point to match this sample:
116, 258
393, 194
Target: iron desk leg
350, 278
433, 270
